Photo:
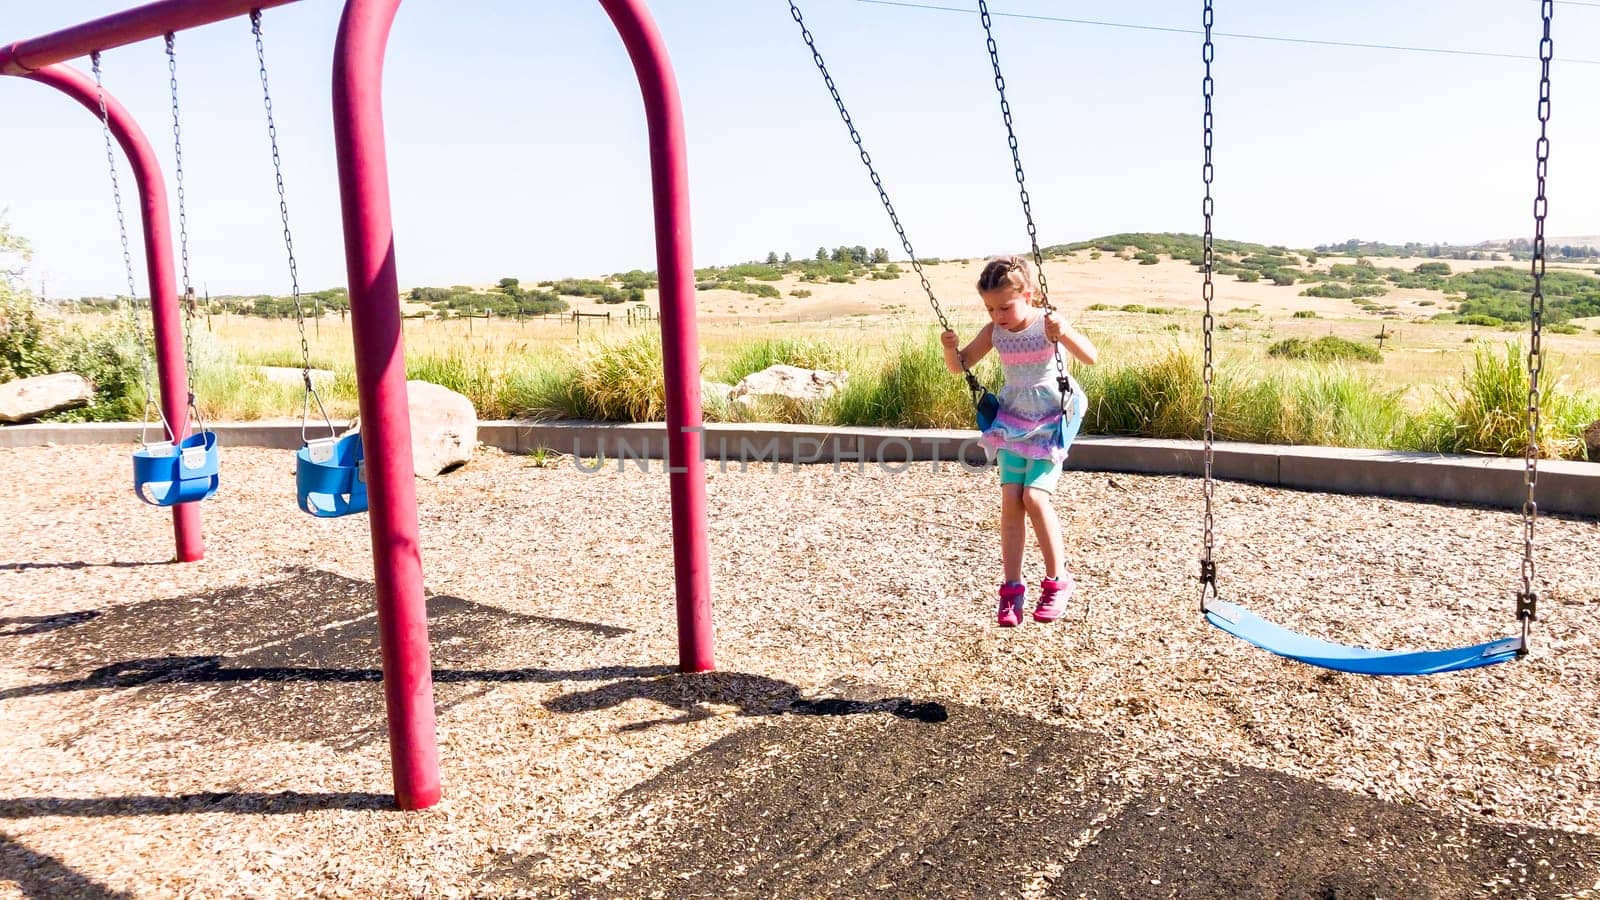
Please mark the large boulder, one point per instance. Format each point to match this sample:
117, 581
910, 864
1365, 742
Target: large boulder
1591, 440
30, 398
444, 428
791, 382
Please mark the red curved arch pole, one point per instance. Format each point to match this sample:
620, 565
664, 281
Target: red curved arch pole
168, 330
380, 370
669, 170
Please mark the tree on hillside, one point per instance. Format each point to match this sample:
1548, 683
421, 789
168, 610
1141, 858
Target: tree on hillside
772, 257
14, 256
22, 333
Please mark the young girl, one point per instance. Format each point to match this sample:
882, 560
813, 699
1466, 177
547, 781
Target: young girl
1028, 437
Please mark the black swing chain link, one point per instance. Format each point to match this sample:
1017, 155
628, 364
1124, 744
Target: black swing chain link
1208, 568
183, 229
877, 182
1527, 601
1027, 205
288, 236
127, 255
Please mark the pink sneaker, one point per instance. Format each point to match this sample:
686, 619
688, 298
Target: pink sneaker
1011, 597
1053, 594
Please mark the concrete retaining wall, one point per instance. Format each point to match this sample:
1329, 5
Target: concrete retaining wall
1563, 487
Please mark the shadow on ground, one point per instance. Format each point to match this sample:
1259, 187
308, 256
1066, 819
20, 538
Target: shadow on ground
291, 659
989, 804
752, 695
243, 803
40, 875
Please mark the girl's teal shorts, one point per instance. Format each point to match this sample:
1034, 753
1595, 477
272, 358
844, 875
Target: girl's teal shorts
1030, 473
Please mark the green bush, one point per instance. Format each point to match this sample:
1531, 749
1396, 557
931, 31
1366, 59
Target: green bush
1487, 411
1305, 314
1324, 349
911, 388
807, 353
1344, 291
24, 337
112, 359
1480, 319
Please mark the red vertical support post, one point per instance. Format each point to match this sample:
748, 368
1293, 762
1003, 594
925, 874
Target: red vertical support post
381, 385
669, 170
171, 370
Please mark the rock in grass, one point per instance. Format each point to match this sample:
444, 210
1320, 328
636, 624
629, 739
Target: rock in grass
30, 398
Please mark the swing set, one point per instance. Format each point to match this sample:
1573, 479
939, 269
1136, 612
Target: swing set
338, 475
1230, 617
341, 475
330, 472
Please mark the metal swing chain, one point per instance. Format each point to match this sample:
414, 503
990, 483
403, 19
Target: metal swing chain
877, 182
183, 233
288, 239
1208, 567
1027, 205
127, 258
1528, 601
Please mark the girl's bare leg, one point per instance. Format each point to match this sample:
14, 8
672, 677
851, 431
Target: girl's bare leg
1046, 528
1013, 531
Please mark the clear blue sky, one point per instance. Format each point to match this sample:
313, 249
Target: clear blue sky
517, 140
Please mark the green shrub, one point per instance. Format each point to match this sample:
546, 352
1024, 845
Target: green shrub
1480, 319
1344, 291
807, 353
112, 359
615, 382
1324, 349
1487, 411
1305, 314
911, 388
24, 337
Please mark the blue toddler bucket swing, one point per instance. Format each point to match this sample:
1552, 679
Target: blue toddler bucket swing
330, 473
169, 472
173, 471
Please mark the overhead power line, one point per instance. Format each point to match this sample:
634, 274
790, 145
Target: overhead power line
1281, 39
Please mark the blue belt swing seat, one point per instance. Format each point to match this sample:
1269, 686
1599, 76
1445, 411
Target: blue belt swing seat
1243, 624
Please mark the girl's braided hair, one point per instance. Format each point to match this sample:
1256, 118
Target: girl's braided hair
1004, 271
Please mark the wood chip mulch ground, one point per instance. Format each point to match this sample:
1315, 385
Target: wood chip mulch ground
216, 729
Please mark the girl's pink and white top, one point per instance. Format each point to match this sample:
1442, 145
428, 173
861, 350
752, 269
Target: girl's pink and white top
1030, 403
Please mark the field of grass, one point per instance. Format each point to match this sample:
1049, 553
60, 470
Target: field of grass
1292, 368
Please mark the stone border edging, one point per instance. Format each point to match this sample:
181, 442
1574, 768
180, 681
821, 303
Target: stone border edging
1567, 487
